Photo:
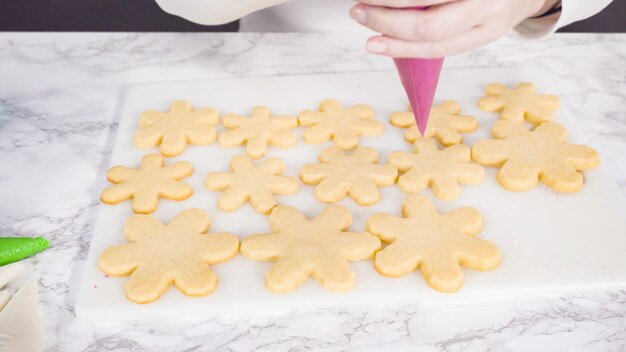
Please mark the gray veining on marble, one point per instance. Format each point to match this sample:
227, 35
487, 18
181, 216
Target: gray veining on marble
58, 100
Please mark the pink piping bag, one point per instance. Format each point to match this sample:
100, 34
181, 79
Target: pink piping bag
420, 78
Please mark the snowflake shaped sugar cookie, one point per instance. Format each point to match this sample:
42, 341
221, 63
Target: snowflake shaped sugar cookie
519, 103
526, 157
148, 183
160, 255
356, 174
442, 170
173, 130
301, 247
248, 182
258, 131
444, 123
437, 244
342, 125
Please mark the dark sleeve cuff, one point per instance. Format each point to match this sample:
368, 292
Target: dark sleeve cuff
555, 9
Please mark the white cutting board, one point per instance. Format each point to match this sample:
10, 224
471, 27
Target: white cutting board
551, 243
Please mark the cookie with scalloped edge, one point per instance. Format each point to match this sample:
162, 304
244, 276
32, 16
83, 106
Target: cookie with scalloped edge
258, 131
146, 184
441, 169
519, 103
171, 131
161, 255
301, 247
249, 182
445, 123
357, 174
436, 244
342, 125
526, 157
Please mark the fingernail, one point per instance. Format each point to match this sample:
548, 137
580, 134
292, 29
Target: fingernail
376, 46
358, 13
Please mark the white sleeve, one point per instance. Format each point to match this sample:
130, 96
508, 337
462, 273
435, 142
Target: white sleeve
214, 12
571, 11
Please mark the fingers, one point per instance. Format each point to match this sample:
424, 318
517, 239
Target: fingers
434, 24
441, 27
474, 37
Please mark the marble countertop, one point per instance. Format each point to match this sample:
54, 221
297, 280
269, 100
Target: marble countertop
58, 100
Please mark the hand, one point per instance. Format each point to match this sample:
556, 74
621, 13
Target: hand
446, 27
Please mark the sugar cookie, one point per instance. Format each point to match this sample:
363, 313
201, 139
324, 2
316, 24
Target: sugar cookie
444, 123
148, 183
437, 244
172, 130
258, 131
301, 247
160, 255
442, 170
519, 103
343, 125
356, 174
526, 157
248, 182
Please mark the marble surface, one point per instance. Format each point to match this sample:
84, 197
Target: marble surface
58, 100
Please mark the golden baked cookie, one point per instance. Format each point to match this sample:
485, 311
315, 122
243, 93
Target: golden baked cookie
258, 131
342, 125
436, 244
357, 174
442, 170
173, 130
444, 123
301, 247
248, 182
178, 253
148, 183
541, 155
522, 102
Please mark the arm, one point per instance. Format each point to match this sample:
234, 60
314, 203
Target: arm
571, 11
214, 12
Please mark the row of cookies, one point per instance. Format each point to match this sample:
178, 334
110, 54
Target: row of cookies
356, 174
181, 252
173, 130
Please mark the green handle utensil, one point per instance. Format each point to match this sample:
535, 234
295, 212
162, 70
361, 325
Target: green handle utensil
13, 249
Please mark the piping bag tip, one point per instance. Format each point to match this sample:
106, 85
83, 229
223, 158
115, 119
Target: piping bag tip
419, 78
421, 126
